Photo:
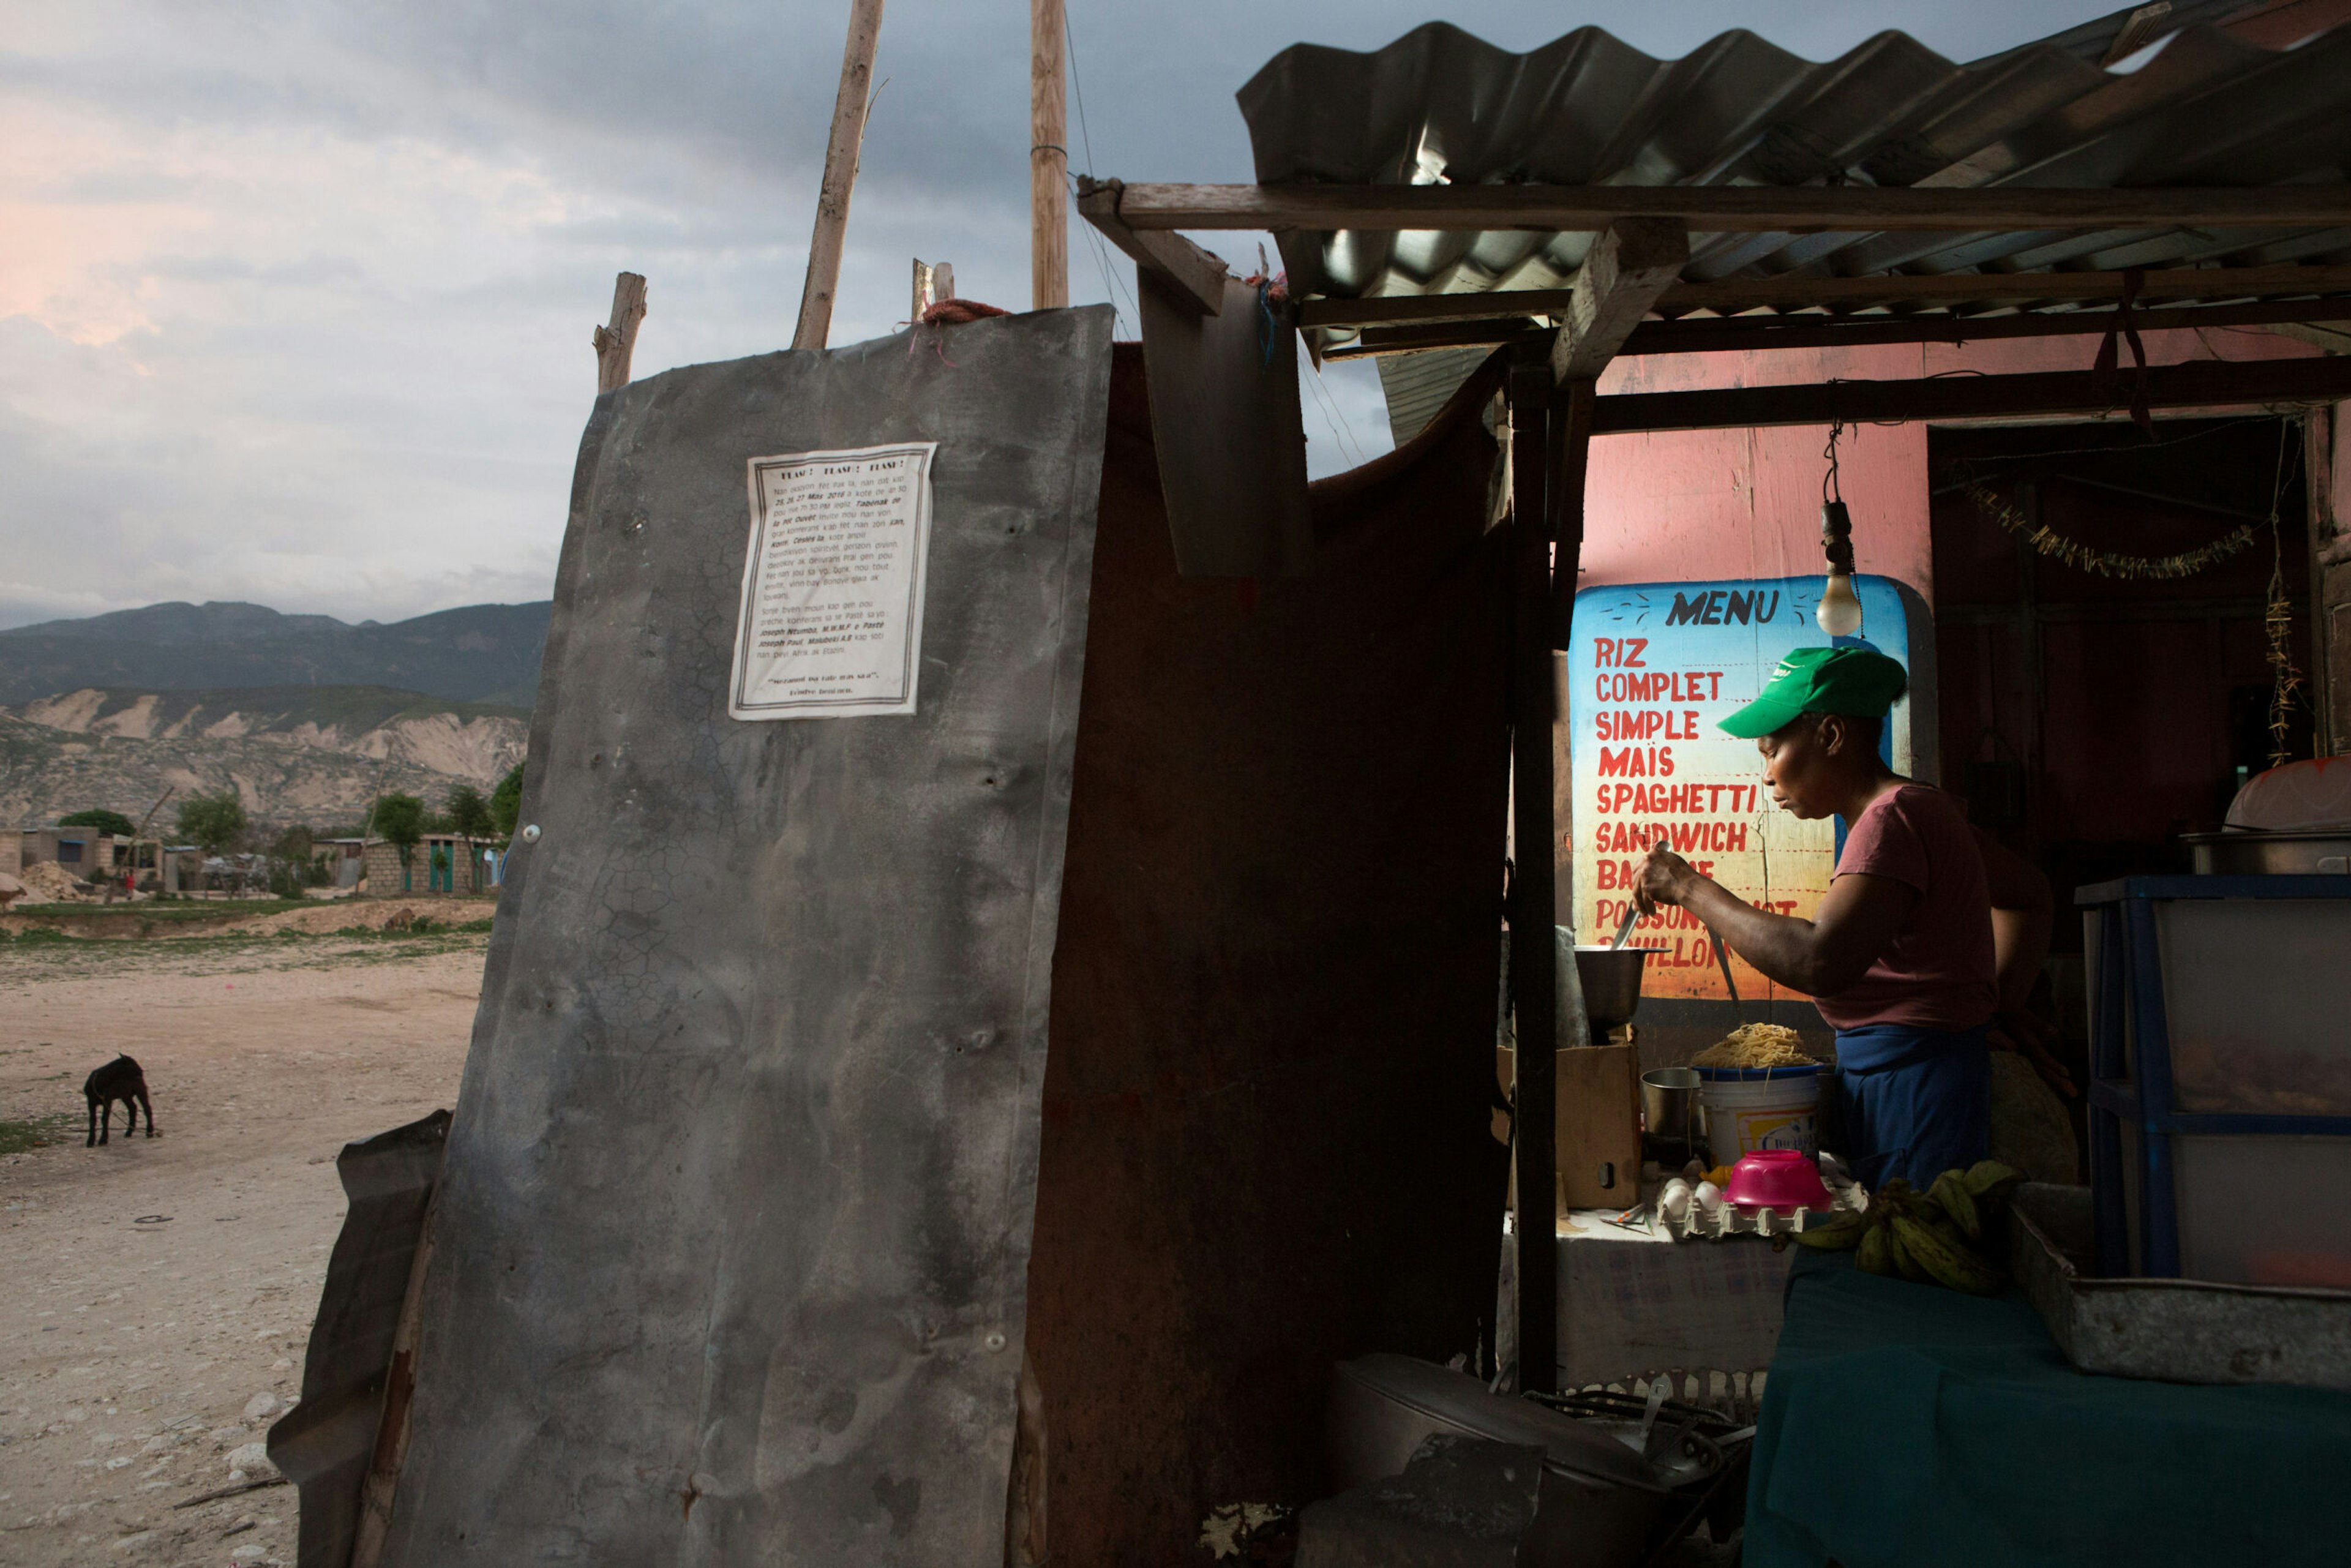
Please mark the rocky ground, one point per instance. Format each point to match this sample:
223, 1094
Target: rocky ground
157, 1295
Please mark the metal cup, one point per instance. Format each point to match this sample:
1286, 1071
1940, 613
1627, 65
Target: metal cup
1670, 1107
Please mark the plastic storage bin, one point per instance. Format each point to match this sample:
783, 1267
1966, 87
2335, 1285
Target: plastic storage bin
2221, 1077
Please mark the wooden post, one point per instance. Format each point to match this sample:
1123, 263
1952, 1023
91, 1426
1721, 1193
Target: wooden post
1571, 443
616, 342
934, 283
2330, 616
839, 173
1534, 958
382, 1477
1632, 262
1049, 160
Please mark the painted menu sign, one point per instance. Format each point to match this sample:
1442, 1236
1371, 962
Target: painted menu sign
1652, 667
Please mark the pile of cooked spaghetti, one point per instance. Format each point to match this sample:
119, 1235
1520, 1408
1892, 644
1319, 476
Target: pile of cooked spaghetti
1756, 1045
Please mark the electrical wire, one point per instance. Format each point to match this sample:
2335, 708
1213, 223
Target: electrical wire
2219, 427
1094, 241
1342, 434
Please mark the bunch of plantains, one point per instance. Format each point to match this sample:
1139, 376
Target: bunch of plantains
1926, 1237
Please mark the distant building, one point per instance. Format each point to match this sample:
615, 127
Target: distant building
345, 858
84, 851
439, 864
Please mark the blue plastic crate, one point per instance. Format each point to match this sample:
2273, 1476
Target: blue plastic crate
2138, 1130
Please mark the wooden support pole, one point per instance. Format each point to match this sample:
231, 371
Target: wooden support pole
2327, 736
616, 343
2199, 383
1534, 957
1049, 160
1570, 453
841, 147
1627, 268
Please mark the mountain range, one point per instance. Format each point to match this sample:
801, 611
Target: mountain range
312, 755
307, 718
481, 653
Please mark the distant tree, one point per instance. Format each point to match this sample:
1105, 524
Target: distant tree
213, 822
505, 803
291, 844
105, 822
399, 822
469, 813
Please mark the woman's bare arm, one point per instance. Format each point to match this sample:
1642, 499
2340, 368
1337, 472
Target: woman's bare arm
1856, 922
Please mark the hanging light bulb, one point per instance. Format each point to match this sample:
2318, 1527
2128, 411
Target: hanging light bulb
1839, 608
1839, 612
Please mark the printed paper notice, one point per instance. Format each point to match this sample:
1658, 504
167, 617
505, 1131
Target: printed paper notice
832, 626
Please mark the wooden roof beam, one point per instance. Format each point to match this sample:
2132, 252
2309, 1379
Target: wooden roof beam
1725, 209
2199, 384
1714, 335
1631, 264
1789, 295
1193, 278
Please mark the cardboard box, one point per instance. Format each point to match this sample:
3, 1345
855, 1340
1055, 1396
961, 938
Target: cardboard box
1599, 1137
1597, 1151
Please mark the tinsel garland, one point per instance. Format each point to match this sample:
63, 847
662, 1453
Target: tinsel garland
2285, 681
2106, 563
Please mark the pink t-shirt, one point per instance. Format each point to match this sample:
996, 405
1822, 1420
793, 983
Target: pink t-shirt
1939, 973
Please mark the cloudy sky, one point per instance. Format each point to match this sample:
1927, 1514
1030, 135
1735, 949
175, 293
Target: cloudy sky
294, 297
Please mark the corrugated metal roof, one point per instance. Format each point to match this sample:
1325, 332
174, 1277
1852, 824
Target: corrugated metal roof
1418, 386
2236, 94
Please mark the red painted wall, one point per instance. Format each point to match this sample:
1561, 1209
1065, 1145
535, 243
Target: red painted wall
1686, 505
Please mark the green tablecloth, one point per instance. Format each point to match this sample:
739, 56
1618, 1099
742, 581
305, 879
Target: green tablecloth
1906, 1425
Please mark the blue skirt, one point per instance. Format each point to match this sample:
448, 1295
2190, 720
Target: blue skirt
1916, 1101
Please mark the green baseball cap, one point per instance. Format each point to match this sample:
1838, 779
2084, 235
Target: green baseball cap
1860, 682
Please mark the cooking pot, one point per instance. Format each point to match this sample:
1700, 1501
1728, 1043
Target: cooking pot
1610, 977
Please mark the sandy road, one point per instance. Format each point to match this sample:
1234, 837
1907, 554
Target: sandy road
155, 1296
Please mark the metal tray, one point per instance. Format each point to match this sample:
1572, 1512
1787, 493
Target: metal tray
2181, 1331
2241, 851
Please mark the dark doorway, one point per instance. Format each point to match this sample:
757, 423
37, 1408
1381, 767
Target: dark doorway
2092, 718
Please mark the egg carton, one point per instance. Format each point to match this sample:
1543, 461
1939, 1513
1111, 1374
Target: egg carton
1730, 1219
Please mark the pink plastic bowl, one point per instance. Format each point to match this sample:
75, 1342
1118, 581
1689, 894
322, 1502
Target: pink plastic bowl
1777, 1178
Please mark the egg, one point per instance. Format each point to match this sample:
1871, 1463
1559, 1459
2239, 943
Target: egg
1674, 1200
1709, 1197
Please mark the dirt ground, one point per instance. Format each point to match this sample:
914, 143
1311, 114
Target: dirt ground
157, 1296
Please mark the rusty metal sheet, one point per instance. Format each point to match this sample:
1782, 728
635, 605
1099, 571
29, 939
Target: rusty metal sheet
1268, 1137
1231, 442
730, 1265
324, 1444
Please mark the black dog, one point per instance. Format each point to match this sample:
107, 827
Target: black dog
118, 1080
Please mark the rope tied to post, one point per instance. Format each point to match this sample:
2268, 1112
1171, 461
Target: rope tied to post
951, 313
1271, 291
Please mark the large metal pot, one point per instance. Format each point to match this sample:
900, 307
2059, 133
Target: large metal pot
2253, 852
1610, 977
1601, 1498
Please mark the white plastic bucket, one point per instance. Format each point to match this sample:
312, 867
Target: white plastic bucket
1752, 1108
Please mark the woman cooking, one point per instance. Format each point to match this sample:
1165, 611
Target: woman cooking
1901, 956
